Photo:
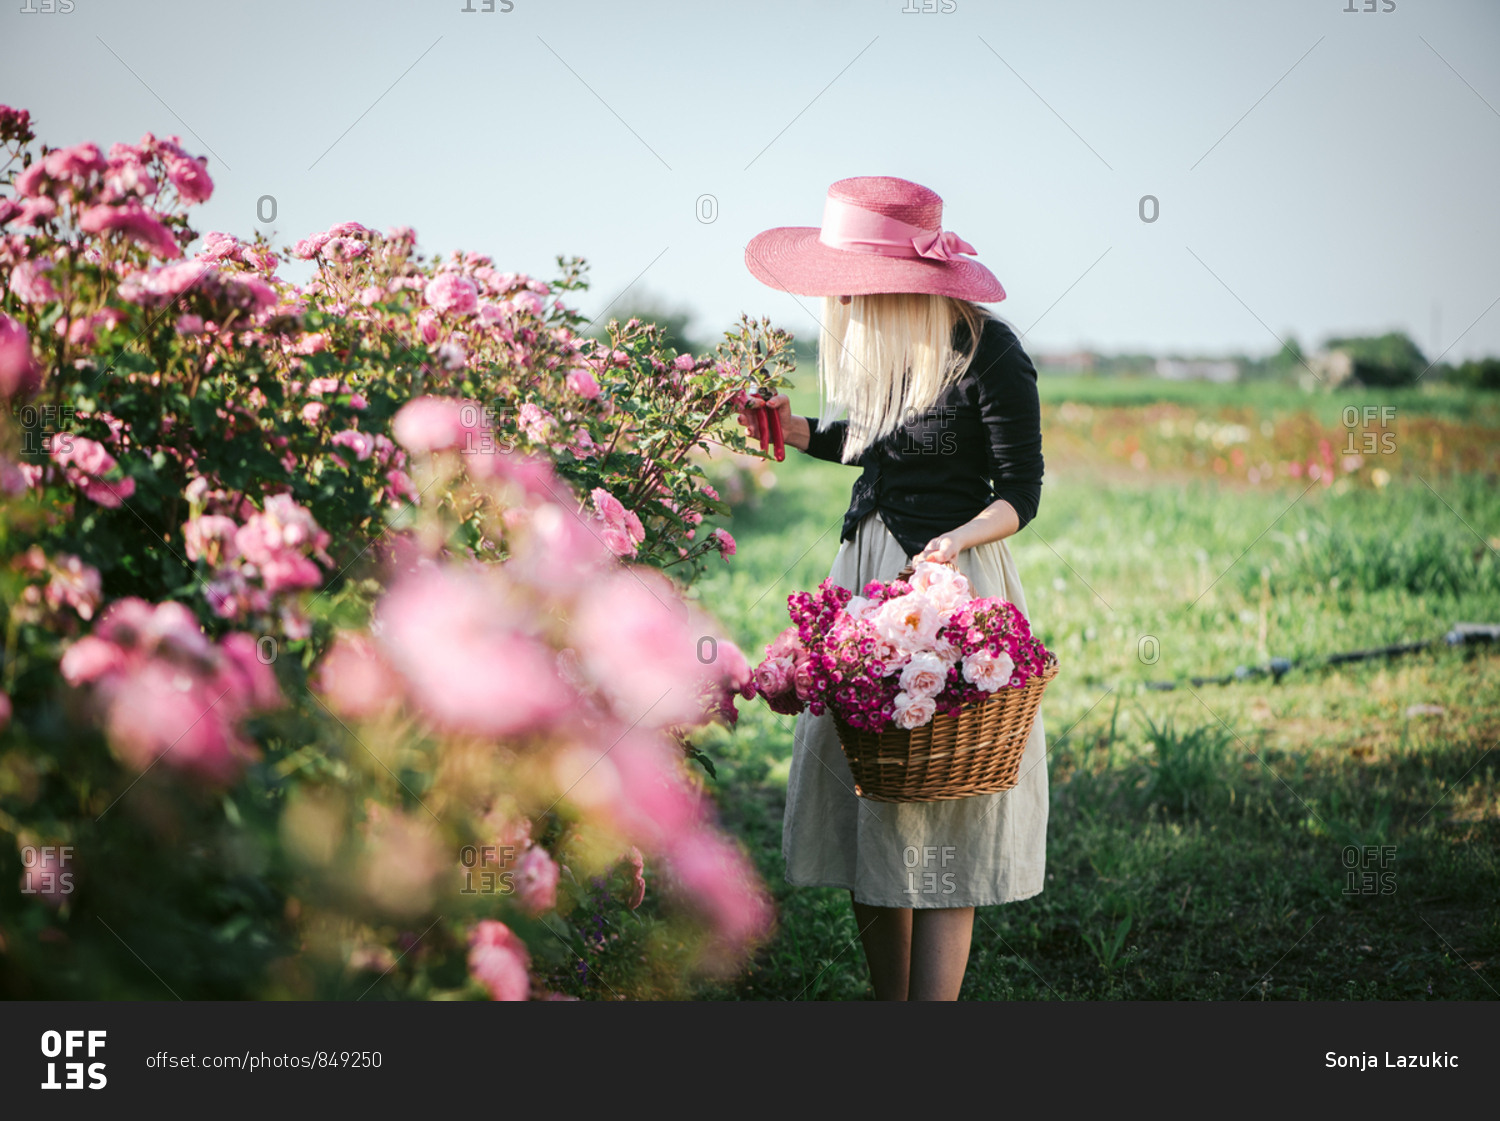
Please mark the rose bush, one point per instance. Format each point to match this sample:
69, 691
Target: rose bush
348, 634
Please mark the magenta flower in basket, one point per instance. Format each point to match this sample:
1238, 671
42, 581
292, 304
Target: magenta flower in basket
900, 654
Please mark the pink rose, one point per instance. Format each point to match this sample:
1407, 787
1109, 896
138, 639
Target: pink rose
309, 247
362, 444
452, 292
582, 383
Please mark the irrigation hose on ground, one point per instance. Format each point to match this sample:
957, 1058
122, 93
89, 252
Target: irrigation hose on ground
1462, 634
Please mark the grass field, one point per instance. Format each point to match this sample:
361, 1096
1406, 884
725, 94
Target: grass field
1332, 835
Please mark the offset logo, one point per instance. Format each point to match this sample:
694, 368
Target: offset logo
65, 1045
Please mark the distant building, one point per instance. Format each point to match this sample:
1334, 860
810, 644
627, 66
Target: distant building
1333, 367
1180, 369
1077, 361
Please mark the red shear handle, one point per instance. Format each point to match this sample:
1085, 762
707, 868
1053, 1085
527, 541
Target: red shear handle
768, 426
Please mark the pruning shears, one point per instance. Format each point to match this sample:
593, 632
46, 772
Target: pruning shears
768, 425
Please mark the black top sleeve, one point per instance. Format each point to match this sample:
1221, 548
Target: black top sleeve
1012, 416
826, 443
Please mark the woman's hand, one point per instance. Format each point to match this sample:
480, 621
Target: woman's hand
781, 406
995, 522
945, 549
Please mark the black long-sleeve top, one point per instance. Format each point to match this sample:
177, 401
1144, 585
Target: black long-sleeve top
980, 441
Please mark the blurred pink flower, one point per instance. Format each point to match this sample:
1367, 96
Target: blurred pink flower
73, 584
726, 543
636, 886
167, 692
434, 423
75, 162
85, 464
29, 282
639, 642
19, 370
309, 247
498, 960
527, 302
714, 877
558, 554
536, 880
402, 859
136, 222
88, 659
190, 177
48, 874
464, 652
211, 538
355, 677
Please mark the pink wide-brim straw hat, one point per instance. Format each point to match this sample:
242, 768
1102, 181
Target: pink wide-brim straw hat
879, 234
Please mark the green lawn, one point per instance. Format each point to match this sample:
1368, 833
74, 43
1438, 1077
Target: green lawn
1317, 838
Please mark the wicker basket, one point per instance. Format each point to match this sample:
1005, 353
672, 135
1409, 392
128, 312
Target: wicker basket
976, 750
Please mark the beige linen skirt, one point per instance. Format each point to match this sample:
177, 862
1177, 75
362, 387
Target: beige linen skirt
965, 852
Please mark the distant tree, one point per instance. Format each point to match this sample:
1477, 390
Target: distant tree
1389, 359
673, 319
1481, 373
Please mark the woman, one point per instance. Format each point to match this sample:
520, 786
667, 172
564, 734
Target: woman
943, 418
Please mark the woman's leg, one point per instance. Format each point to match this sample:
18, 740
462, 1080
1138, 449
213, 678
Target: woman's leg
885, 933
939, 952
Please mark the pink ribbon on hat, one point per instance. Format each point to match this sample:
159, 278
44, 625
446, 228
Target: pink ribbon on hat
857, 230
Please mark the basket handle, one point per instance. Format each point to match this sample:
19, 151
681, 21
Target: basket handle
906, 572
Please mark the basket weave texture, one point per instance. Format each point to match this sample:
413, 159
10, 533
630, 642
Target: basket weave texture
976, 750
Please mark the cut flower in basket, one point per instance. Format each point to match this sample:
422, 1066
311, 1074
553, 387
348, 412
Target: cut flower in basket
899, 653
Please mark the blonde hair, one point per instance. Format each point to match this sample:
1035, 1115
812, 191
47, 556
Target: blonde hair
885, 359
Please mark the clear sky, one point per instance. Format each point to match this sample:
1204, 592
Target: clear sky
1318, 170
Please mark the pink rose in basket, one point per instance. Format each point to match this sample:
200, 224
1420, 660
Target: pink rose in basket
946, 587
988, 671
774, 676
911, 622
913, 711
924, 676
